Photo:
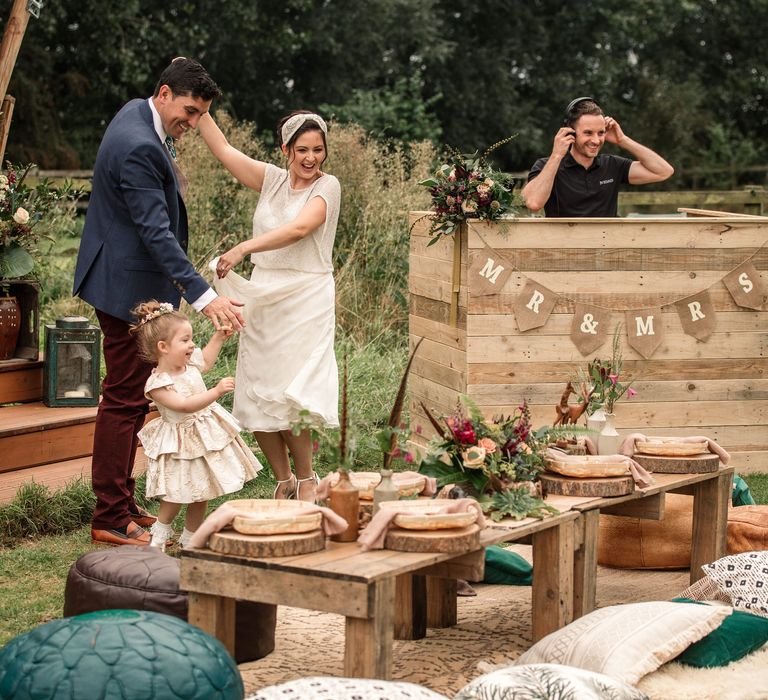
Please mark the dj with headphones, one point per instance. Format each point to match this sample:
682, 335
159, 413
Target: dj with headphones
576, 180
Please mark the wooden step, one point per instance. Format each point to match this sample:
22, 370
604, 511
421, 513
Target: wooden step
32, 434
21, 380
56, 476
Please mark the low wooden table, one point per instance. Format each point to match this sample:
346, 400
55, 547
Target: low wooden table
711, 495
378, 591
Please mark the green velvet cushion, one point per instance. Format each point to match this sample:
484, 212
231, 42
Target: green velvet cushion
503, 566
738, 635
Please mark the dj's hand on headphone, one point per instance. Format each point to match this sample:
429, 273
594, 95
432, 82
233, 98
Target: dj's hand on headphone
564, 139
613, 131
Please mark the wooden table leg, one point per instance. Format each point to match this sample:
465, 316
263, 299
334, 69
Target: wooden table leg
216, 616
442, 608
552, 597
410, 607
585, 563
368, 641
710, 521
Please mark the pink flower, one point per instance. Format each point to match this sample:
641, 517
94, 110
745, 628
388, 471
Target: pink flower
613, 378
418, 430
488, 444
315, 446
408, 457
631, 393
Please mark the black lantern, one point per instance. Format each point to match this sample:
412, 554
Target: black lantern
72, 363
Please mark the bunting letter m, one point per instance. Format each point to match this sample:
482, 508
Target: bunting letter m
490, 272
644, 325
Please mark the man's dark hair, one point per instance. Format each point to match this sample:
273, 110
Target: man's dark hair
185, 76
582, 106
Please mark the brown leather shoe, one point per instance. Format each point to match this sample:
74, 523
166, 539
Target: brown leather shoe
141, 517
134, 535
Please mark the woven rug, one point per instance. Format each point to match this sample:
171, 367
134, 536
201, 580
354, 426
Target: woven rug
493, 628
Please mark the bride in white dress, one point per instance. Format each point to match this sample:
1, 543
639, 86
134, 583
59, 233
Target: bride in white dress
286, 362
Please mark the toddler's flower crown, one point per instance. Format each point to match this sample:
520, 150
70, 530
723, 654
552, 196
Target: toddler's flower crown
164, 308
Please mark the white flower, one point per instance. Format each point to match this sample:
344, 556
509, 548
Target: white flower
474, 457
21, 216
3, 182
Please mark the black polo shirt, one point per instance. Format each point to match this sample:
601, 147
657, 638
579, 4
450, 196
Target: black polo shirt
578, 191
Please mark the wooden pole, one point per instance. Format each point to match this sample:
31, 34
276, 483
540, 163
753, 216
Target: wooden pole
9, 49
6, 113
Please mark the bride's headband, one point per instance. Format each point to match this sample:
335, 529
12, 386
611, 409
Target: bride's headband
293, 124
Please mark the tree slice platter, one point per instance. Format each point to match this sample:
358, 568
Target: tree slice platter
695, 464
287, 545
598, 487
465, 539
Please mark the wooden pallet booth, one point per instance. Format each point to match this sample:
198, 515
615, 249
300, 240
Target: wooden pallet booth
716, 387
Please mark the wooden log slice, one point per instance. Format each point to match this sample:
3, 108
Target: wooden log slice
695, 464
598, 487
231, 542
465, 539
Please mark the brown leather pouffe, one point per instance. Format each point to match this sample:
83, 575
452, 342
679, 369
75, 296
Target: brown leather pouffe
634, 543
747, 529
144, 578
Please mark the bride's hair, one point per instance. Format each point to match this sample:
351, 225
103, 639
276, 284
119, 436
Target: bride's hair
308, 125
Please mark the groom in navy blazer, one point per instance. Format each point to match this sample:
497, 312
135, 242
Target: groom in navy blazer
134, 248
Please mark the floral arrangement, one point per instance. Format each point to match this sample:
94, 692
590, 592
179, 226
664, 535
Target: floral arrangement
465, 186
604, 376
21, 208
498, 461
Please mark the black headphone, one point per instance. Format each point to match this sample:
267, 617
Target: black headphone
569, 110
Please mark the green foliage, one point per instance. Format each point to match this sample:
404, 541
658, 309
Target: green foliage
518, 503
673, 73
38, 511
399, 113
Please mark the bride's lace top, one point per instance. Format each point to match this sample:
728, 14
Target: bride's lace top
279, 204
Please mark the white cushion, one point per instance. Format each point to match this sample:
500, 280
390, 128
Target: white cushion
627, 641
744, 579
329, 688
547, 681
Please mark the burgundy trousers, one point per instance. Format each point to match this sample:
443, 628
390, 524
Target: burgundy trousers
121, 415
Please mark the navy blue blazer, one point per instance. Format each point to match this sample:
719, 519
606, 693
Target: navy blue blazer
134, 241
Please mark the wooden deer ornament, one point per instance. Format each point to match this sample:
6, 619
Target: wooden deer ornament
569, 415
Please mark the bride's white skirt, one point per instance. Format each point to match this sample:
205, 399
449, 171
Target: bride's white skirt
286, 361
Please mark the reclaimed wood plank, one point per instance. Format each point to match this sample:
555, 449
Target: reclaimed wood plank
692, 369
710, 518
560, 323
552, 587
214, 615
410, 607
586, 532
504, 302
368, 641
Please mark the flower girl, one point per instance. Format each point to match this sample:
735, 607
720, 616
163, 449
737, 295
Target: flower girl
194, 450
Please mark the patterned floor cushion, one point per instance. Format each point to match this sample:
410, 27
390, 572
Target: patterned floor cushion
328, 688
536, 681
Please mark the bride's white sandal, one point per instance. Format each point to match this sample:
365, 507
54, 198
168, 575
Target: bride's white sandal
288, 492
315, 479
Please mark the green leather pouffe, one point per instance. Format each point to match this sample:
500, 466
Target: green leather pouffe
118, 655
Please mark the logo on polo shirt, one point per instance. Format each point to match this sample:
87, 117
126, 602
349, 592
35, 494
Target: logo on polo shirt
606, 182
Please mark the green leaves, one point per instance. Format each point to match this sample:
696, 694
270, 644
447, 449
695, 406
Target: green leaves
15, 262
517, 503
